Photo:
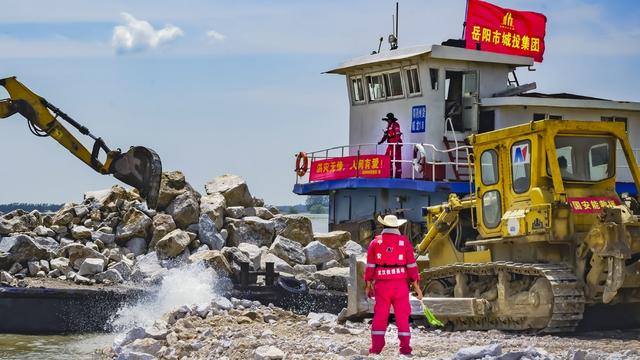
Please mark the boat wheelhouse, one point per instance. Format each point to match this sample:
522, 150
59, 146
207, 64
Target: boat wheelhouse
440, 95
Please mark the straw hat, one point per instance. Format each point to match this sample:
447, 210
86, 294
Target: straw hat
391, 221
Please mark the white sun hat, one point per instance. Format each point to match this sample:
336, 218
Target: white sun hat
391, 221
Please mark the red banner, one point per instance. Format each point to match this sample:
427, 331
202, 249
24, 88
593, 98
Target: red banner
507, 31
591, 205
365, 166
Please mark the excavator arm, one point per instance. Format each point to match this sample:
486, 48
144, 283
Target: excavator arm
139, 167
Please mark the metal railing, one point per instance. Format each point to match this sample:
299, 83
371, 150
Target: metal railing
428, 155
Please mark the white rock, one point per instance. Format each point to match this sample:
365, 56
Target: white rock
318, 253
478, 352
91, 266
268, 352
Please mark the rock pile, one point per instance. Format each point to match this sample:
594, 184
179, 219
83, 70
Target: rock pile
242, 329
113, 237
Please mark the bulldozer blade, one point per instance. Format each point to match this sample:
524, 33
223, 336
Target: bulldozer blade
141, 168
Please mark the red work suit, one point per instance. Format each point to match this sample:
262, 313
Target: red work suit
390, 262
394, 149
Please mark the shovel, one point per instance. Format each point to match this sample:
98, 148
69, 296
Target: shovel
430, 317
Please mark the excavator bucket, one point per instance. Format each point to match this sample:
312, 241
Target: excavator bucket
141, 168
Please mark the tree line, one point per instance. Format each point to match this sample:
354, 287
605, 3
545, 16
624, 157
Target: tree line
41, 207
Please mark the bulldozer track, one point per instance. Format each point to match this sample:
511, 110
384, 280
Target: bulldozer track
568, 297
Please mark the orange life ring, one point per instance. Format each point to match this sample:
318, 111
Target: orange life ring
302, 163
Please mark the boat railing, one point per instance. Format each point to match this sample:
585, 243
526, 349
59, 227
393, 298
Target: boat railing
426, 158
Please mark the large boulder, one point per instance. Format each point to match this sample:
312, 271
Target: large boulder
135, 223
295, 227
278, 264
172, 244
110, 196
147, 268
162, 225
77, 253
233, 188
251, 229
253, 252
23, 248
318, 253
235, 257
290, 251
91, 266
17, 221
172, 184
259, 211
208, 233
61, 264
64, 216
214, 259
213, 206
333, 239
80, 232
336, 278
352, 248
184, 209
111, 275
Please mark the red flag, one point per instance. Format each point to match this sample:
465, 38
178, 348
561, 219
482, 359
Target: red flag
507, 31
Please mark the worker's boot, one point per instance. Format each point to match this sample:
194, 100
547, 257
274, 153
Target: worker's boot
377, 343
405, 344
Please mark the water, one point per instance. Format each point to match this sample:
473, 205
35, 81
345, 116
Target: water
320, 222
189, 284
185, 285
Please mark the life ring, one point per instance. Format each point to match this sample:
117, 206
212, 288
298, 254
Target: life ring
302, 163
419, 158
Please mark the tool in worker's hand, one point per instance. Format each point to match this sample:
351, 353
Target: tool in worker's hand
433, 321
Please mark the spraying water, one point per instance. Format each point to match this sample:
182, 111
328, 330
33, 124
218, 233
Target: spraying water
188, 284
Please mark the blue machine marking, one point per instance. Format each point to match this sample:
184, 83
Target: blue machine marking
462, 187
323, 187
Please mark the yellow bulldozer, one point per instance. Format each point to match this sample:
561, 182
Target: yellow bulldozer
139, 167
542, 237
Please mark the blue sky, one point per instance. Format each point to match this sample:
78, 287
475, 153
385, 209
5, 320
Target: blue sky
236, 87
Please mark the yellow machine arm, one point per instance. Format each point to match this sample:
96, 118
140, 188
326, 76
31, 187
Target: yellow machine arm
139, 167
442, 219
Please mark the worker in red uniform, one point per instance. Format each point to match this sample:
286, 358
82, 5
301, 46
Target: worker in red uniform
393, 136
391, 265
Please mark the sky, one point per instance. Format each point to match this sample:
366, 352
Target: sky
237, 86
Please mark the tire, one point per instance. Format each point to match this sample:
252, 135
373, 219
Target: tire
291, 286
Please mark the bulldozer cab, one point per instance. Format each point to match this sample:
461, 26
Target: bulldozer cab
547, 179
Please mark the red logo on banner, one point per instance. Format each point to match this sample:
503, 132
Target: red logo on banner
591, 205
365, 166
506, 31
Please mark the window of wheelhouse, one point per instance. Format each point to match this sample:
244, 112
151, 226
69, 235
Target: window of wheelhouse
521, 166
385, 85
393, 83
375, 84
357, 90
413, 80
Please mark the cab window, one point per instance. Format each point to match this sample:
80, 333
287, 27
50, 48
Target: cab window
489, 167
491, 209
585, 158
521, 166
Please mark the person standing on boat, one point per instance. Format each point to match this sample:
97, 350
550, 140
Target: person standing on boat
391, 265
393, 136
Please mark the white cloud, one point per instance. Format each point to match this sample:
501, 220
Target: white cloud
214, 35
137, 35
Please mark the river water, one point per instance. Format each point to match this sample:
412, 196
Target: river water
189, 285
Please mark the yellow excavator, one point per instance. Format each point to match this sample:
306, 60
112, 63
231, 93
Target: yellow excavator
543, 237
139, 167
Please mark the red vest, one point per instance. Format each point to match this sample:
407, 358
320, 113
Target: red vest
393, 133
390, 256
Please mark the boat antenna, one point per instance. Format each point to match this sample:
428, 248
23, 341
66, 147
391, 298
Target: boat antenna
379, 45
393, 38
